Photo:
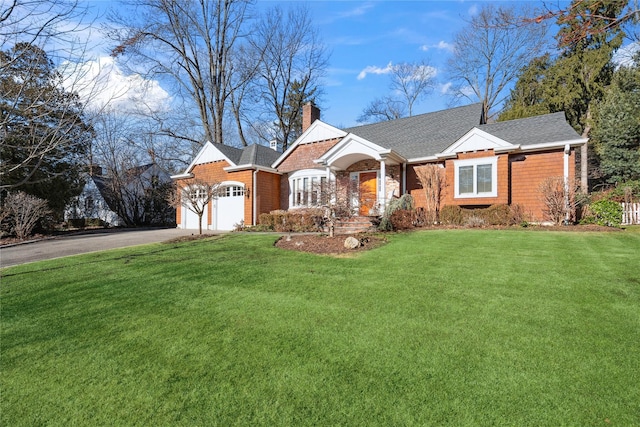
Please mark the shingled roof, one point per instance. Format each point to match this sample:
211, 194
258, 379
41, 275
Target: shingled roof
258, 155
424, 134
533, 130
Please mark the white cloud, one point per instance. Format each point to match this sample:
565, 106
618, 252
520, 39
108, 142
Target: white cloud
101, 83
441, 45
624, 55
473, 10
444, 89
373, 69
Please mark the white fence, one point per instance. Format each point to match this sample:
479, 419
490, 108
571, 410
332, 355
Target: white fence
630, 213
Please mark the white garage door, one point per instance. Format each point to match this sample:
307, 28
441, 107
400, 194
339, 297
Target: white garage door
229, 207
190, 219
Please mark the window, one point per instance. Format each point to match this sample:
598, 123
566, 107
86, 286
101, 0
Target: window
476, 177
232, 191
308, 188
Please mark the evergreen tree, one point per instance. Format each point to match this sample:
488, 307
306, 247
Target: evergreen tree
575, 82
43, 133
291, 122
616, 134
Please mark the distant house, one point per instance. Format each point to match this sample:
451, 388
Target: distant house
136, 198
484, 164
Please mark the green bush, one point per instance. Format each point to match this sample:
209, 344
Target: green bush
604, 212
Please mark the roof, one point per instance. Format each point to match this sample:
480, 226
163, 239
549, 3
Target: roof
258, 155
424, 134
533, 130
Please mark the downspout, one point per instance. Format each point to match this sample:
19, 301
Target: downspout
254, 204
404, 178
567, 216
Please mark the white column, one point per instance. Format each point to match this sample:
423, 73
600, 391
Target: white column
383, 185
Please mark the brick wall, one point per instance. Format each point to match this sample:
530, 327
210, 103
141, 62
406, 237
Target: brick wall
519, 179
267, 194
304, 155
527, 173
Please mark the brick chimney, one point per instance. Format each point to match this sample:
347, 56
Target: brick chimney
310, 113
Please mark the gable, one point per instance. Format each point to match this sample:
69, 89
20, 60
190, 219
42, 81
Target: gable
317, 132
352, 149
478, 140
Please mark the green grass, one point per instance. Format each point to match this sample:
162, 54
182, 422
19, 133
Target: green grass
459, 327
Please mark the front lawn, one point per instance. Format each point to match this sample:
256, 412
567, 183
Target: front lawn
447, 327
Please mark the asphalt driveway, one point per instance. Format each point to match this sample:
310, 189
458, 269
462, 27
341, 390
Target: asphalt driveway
81, 243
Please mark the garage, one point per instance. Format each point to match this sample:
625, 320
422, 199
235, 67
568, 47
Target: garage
227, 210
229, 207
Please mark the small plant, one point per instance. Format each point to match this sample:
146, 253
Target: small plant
605, 212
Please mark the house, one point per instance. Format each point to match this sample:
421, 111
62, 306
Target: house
135, 198
484, 164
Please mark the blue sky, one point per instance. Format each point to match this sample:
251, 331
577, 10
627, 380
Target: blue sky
365, 37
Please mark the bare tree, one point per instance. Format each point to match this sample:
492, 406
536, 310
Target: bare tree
410, 82
291, 52
489, 53
195, 194
432, 179
134, 182
190, 42
23, 211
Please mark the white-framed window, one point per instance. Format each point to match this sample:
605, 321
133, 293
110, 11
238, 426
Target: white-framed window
309, 188
476, 177
231, 191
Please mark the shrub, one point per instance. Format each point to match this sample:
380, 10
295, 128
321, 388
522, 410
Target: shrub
300, 220
22, 212
493, 215
559, 199
402, 219
604, 212
451, 215
405, 202
474, 221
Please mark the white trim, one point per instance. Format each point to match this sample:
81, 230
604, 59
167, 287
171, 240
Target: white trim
551, 145
252, 167
477, 140
299, 177
457, 164
207, 146
182, 176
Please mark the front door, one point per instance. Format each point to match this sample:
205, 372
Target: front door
368, 189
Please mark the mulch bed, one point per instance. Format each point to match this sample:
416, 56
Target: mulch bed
323, 244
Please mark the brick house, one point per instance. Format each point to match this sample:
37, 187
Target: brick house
484, 164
